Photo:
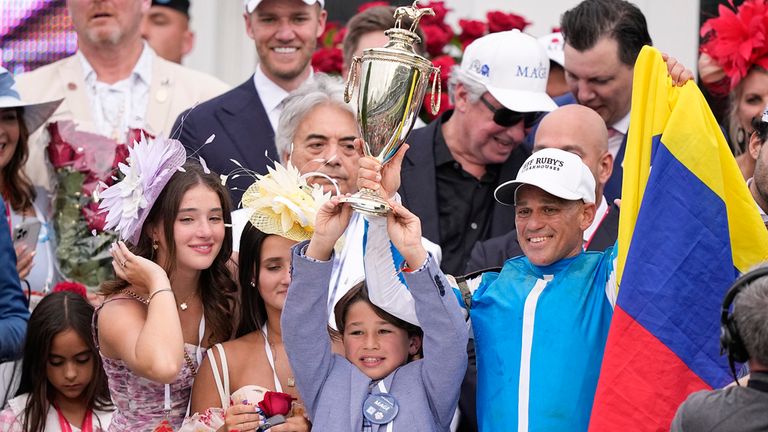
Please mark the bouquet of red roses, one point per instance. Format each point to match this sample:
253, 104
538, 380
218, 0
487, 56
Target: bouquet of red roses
82, 161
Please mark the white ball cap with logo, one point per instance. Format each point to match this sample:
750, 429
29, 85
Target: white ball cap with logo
513, 67
555, 171
251, 5
554, 44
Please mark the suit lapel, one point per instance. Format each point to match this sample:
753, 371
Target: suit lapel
244, 119
76, 94
159, 104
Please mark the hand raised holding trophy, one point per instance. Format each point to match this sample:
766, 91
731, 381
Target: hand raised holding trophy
392, 83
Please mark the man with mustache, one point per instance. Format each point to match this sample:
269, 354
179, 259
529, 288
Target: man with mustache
115, 81
244, 119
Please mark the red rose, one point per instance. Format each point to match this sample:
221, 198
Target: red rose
275, 403
338, 38
445, 63
95, 219
60, 153
437, 37
121, 154
371, 4
134, 135
328, 60
470, 30
438, 7
499, 21
74, 287
326, 39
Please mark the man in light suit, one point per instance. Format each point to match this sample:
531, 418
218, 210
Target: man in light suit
113, 83
245, 118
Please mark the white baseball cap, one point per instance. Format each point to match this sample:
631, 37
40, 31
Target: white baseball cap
513, 67
553, 44
558, 172
251, 5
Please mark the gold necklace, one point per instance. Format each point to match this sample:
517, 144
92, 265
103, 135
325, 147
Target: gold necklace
183, 305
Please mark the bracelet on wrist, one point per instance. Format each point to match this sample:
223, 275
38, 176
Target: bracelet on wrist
149, 299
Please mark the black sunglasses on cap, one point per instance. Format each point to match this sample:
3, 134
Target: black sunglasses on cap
505, 117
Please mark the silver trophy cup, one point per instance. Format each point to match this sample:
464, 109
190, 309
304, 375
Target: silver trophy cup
392, 83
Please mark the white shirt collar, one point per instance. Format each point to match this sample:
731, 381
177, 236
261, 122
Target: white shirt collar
599, 215
270, 93
622, 125
141, 70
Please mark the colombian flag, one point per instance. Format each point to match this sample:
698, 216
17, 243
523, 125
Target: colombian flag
688, 227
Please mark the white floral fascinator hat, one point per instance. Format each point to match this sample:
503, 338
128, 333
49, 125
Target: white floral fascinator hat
283, 203
151, 164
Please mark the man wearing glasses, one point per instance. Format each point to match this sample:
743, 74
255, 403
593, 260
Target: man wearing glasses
455, 163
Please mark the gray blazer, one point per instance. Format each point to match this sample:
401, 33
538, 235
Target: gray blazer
334, 389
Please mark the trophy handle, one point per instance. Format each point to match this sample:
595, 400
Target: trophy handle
436, 81
349, 88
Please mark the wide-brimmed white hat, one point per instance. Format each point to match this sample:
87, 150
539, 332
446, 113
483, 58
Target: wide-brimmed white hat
35, 114
513, 67
558, 172
251, 5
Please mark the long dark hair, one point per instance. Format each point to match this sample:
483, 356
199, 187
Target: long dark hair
17, 188
54, 314
217, 288
253, 312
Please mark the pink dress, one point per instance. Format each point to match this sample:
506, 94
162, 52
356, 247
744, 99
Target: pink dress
142, 404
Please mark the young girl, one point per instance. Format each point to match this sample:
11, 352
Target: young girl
255, 362
63, 386
174, 295
374, 387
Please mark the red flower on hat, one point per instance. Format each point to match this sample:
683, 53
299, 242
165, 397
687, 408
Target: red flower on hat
737, 38
371, 4
275, 403
437, 37
471, 30
328, 60
500, 21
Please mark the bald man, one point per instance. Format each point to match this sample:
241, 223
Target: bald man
576, 129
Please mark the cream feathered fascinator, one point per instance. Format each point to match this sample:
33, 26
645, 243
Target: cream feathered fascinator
283, 203
151, 164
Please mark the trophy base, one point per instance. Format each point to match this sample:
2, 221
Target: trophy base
368, 203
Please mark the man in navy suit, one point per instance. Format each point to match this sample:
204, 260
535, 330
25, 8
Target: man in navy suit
602, 41
243, 121
580, 130
455, 162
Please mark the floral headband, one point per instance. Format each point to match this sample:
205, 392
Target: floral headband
151, 164
738, 38
283, 203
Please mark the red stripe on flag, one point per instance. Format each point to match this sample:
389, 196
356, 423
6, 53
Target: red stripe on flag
642, 382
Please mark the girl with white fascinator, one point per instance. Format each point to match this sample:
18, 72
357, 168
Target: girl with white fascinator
26, 208
173, 296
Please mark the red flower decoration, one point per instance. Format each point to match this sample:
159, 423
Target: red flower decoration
163, 426
737, 38
437, 37
471, 30
371, 4
95, 219
74, 287
445, 63
121, 154
60, 153
500, 21
135, 135
275, 403
328, 60
338, 38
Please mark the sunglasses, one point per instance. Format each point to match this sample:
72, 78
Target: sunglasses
505, 117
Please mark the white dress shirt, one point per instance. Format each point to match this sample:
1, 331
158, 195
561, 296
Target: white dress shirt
122, 105
615, 139
600, 214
